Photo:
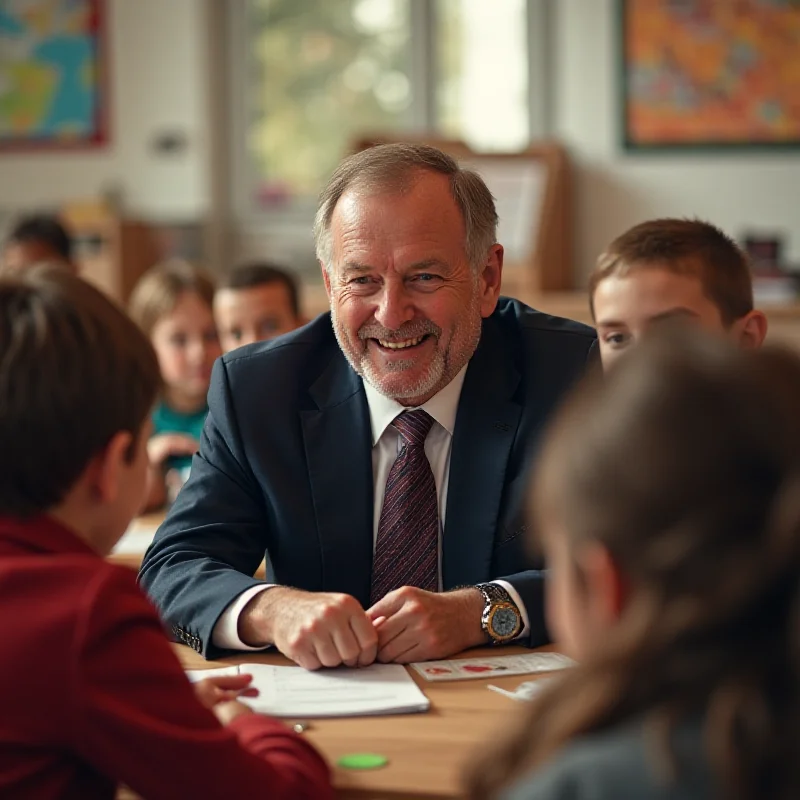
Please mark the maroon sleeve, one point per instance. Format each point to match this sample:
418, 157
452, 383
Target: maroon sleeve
137, 720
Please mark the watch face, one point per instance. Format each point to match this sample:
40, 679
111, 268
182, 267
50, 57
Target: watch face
504, 622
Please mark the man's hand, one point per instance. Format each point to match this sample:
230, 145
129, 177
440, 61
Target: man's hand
314, 629
223, 689
421, 625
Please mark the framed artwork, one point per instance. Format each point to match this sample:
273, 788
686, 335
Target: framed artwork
53, 81
710, 74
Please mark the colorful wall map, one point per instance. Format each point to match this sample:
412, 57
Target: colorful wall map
50, 73
711, 72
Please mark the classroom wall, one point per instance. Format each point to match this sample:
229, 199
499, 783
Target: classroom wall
614, 191
158, 84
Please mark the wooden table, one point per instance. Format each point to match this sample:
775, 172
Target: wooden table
144, 528
140, 532
427, 752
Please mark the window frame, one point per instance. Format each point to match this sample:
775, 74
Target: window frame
294, 222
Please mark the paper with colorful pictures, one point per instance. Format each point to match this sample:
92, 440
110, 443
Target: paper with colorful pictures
469, 668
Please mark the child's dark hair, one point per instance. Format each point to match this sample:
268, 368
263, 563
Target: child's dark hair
159, 289
684, 462
685, 246
44, 229
74, 371
248, 276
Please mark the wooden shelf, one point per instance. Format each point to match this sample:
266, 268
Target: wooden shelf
112, 252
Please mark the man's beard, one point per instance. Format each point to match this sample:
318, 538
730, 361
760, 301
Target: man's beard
442, 368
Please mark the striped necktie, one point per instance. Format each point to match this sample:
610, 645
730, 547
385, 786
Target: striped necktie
407, 547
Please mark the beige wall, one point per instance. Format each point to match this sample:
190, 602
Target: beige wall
157, 72
614, 191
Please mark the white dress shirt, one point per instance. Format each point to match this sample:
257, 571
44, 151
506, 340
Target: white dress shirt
386, 444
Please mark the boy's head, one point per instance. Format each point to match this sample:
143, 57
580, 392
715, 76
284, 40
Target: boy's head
680, 464
672, 268
37, 239
172, 304
256, 302
78, 380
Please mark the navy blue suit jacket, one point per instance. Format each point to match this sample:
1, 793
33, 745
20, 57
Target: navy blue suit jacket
285, 468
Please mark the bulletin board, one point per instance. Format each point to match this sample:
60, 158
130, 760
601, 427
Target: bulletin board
53, 75
709, 76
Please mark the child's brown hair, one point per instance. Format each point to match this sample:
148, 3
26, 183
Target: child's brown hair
74, 371
159, 289
263, 273
694, 489
685, 246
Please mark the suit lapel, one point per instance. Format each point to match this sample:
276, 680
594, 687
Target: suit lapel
338, 447
485, 430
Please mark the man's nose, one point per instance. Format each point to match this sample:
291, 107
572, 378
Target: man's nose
394, 308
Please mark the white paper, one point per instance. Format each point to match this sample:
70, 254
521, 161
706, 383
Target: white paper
136, 539
195, 675
470, 668
525, 691
342, 692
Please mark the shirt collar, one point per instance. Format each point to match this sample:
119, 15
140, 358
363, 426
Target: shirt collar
442, 407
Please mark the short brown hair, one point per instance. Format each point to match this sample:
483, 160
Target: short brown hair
393, 166
159, 289
262, 273
74, 371
685, 246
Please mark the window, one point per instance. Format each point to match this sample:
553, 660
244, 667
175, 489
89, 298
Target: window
311, 76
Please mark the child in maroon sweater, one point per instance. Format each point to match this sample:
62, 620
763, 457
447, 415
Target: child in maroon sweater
92, 694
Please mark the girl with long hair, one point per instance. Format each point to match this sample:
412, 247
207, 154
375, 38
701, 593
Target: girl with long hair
667, 501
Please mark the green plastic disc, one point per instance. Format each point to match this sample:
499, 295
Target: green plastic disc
363, 761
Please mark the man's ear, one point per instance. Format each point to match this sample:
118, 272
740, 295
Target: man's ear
605, 583
108, 470
752, 329
326, 279
491, 276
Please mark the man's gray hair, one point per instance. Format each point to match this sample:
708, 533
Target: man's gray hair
393, 167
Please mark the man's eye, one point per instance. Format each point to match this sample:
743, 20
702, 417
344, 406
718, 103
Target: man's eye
426, 277
361, 280
178, 340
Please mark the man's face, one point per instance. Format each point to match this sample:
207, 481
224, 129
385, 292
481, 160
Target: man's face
406, 305
626, 307
253, 314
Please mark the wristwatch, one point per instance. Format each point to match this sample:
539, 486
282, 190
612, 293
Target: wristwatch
501, 620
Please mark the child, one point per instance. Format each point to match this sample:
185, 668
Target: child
668, 505
36, 239
256, 302
92, 692
668, 268
172, 305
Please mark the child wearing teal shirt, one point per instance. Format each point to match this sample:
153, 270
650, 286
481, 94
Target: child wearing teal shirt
172, 304
167, 420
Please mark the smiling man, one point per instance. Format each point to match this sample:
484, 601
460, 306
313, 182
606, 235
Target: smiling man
377, 455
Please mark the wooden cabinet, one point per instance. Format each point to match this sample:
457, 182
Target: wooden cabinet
111, 251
